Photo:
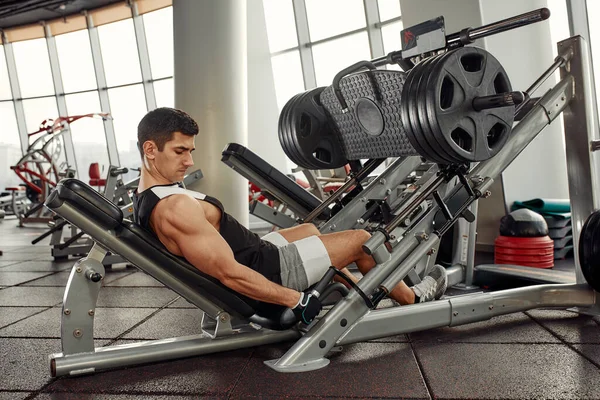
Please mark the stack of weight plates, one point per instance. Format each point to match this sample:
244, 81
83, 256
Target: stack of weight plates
535, 252
524, 240
437, 109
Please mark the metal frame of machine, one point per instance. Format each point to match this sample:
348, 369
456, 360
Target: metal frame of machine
409, 240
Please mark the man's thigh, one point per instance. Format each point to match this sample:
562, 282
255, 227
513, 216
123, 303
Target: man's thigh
345, 247
298, 232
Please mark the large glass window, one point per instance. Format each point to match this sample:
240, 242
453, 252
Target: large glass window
388, 9
120, 53
39, 110
76, 63
391, 36
333, 56
33, 68
5, 92
10, 145
87, 134
164, 92
128, 106
333, 17
287, 75
159, 36
281, 25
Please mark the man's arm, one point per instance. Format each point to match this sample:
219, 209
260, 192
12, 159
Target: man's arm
181, 225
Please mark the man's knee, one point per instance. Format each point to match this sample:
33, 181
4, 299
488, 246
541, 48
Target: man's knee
362, 236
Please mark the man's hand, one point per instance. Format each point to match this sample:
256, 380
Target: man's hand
308, 308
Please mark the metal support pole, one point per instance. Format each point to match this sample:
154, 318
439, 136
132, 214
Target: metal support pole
16, 93
581, 129
374, 28
304, 46
60, 98
109, 129
142, 45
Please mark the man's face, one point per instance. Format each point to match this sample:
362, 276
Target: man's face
176, 157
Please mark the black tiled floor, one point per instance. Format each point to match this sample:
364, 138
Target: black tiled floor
570, 327
537, 354
15, 278
108, 323
512, 328
207, 375
14, 395
515, 371
168, 323
93, 396
356, 371
31, 296
36, 266
135, 297
138, 279
9, 315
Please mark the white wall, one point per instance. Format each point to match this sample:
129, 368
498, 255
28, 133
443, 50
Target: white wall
541, 169
263, 112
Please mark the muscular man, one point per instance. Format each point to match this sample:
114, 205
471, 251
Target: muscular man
275, 269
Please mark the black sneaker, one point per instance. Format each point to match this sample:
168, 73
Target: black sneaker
433, 286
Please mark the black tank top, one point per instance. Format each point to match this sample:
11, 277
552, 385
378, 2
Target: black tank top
248, 248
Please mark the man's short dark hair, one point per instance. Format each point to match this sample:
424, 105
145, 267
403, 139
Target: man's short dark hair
160, 124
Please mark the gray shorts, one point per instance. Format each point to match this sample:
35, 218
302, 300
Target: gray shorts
302, 263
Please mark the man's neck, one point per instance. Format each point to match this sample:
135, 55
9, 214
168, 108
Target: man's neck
149, 179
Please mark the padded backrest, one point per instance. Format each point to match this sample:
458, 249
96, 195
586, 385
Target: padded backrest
87, 201
274, 176
94, 171
135, 240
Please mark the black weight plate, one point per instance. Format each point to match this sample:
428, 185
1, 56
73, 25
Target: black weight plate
313, 134
421, 103
284, 132
311, 131
467, 73
280, 130
435, 155
406, 111
405, 115
288, 131
425, 117
589, 250
292, 131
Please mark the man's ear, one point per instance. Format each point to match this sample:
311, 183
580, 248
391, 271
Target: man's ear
150, 149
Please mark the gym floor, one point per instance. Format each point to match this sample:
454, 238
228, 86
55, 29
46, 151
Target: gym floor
538, 354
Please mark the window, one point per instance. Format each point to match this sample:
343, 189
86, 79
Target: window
10, 145
128, 106
33, 68
328, 18
287, 75
120, 53
9, 134
391, 36
164, 93
38, 110
388, 9
333, 56
87, 134
75, 59
158, 26
5, 92
281, 24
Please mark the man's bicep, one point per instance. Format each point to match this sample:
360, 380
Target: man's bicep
185, 225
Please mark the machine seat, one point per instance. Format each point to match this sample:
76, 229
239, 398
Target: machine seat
274, 176
104, 213
95, 178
